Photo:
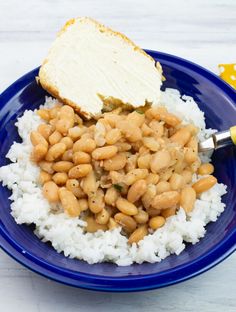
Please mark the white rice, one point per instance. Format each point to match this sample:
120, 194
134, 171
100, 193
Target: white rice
67, 235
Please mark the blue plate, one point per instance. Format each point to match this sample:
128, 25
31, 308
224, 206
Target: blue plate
217, 100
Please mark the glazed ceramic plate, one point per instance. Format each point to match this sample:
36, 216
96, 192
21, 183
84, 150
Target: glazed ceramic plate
218, 101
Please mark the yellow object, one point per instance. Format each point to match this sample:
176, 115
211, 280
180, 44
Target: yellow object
233, 134
228, 73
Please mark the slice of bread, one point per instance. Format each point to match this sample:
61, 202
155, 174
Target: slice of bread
89, 65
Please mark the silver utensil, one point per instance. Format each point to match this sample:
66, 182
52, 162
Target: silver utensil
218, 140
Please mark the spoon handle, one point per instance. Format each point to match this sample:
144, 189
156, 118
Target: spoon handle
233, 134
219, 140
223, 138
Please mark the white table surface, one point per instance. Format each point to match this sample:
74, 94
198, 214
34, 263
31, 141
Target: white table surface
203, 31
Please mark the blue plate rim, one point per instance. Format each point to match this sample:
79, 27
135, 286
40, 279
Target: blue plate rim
213, 257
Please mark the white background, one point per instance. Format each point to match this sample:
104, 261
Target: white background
203, 31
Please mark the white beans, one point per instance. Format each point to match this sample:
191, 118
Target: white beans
176, 181
123, 147
157, 127
102, 217
146, 130
166, 200
39, 152
160, 161
111, 196
163, 186
155, 112
83, 204
152, 178
116, 162
62, 166
181, 137
156, 222
96, 202
68, 142
69, 202
68, 155
169, 119
54, 112
131, 163
137, 190
166, 213
79, 171
84, 145
144, 161
81, 158
105, 152
132, 132
165, 175
136, 118
113, 136
66, 119
126, 207
152, 212
187, 198
89, 184
129, 169
127, 222
60, 178
55, 151
151, 144
45, 130
50, 191
37, 138
149, 195
55, 137
141, 217
190, 155
75, 133
187, 176
135, 175
46, 166
44, 114
138, 234
206, 169
73, 186
204, 184
44, 177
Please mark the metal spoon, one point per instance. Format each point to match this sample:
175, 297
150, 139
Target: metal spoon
218, 140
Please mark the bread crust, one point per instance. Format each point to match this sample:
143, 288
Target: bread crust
102, 28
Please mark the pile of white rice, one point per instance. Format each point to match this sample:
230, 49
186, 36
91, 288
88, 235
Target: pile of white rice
67, 235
